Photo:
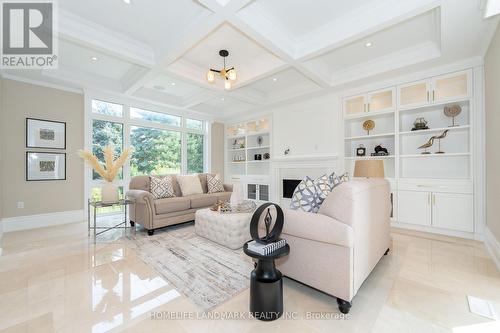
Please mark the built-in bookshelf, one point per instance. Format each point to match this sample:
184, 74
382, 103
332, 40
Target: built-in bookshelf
249, 155
430, 183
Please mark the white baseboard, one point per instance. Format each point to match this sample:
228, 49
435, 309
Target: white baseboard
434, 230
18, 223
493, 246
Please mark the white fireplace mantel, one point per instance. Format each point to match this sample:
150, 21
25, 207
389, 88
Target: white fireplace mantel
299, 166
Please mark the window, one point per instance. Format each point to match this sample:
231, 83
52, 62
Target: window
106, 133
156, 151
106, 108
162, 143
156, 117
194, 153
194, 124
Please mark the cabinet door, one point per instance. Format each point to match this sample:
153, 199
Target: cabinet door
264, 192
414, 94
252, 191
381, 100
414, 207
451, 86
452, 211
354, 105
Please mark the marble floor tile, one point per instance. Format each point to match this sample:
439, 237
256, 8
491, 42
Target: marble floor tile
58, 280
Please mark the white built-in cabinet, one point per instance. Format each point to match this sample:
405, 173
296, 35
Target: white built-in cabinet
374, 101
434, 90
248, 156
431, 192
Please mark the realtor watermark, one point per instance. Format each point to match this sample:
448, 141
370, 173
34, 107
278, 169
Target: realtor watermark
28, 35
236, 315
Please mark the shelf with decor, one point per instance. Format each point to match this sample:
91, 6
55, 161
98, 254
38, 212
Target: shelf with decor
428, 130
249, 153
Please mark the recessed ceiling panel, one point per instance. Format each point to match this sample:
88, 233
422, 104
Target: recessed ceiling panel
420, 32
248, 57
289, 82
298, 17
172, 86
154, 22
91, 61
223, 106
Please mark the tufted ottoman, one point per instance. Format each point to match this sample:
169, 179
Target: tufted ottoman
230, 230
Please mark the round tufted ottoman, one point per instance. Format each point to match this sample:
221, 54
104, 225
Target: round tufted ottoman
230, 230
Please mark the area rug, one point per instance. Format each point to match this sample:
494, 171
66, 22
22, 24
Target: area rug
205, 272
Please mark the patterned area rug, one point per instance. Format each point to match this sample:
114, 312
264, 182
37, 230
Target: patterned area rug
205, 272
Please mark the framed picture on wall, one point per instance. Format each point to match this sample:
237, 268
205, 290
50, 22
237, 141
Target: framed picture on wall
45, 166
45, 134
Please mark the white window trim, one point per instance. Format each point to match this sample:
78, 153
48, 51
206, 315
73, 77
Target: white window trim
127, 124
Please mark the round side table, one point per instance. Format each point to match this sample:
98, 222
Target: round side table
266, 285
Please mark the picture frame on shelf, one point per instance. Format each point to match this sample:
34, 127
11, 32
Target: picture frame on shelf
45, 134
45, 166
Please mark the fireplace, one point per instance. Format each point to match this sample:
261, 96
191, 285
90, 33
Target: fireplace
289, 186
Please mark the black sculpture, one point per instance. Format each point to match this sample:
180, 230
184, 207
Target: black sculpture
380, 151
271, 235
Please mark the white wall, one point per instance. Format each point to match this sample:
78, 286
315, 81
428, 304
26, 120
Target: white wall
492, 80
310, 127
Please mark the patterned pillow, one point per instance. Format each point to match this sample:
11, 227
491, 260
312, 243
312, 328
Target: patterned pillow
324, 185
305, 196
162, 187
214, 184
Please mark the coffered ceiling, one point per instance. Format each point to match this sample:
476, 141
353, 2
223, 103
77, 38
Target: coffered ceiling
159, 51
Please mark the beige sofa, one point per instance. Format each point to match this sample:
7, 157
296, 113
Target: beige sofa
154, 213
335, 250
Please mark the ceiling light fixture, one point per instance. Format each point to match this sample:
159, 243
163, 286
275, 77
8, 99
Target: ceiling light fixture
173, 83
368, 44
222, 99
94, 58
127, 1
227, 74
275, 79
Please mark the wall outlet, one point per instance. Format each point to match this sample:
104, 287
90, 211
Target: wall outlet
20, 204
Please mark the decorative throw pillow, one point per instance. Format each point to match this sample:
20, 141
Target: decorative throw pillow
162, 187
214, 184
324, 185
190, 184
305, 196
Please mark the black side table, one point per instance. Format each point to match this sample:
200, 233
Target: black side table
266, 285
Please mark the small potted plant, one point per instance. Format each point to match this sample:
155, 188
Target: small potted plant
108, 170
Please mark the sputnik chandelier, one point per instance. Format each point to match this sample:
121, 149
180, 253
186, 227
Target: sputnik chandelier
227, 74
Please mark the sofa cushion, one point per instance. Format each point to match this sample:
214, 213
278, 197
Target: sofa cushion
305, 197
170, 205
223, 196
161, 187
214, 184
202, 200
190, 184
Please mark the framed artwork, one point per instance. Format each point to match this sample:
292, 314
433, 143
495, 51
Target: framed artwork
45, 166
45, 134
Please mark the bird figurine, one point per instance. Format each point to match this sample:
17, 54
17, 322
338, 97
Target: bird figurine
439, 137
427, 145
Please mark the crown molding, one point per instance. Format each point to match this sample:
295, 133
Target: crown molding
76, 29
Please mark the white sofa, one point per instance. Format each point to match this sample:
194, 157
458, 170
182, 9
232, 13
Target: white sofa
336, 249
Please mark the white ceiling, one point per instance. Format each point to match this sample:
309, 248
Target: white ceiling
159, 51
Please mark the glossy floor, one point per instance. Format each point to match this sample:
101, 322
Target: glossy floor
56, 280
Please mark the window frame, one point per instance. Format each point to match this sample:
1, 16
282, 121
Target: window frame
127, 123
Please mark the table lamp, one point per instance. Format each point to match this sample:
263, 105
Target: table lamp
369, 168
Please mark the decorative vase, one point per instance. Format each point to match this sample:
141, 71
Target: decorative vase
237, 196
109, 193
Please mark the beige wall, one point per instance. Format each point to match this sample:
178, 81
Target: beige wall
19, 101
217, 149
492, 92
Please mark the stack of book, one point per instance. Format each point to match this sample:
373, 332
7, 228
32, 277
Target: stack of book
265, 249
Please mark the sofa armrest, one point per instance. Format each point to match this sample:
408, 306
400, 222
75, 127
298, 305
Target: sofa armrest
140, 196
316, 227
228, 187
